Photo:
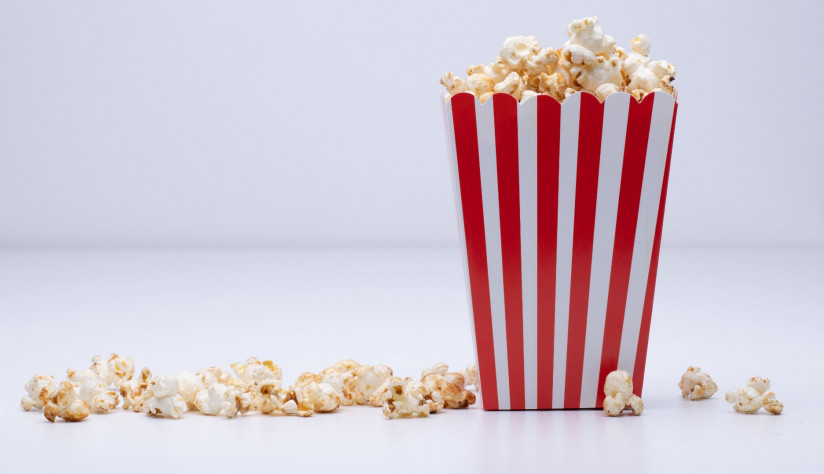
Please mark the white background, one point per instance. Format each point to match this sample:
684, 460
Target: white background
233, 123
191, 183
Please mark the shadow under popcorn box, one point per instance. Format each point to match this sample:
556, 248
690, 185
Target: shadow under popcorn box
560, 208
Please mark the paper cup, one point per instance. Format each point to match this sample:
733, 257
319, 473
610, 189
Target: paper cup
560, 208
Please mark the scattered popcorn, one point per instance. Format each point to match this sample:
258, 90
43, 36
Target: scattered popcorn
162, 398
402, 400
619, 396
696, 385
40, 390
258, 386
754, 396
66, 405
589, 61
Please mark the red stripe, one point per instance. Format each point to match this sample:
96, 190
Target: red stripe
586, 190
549, 142
643, 338
506, 148
632, 177
469, 175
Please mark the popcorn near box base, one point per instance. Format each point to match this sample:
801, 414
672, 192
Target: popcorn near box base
589, 61
255, 386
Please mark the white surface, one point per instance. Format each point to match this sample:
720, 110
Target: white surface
206, 122
735, 311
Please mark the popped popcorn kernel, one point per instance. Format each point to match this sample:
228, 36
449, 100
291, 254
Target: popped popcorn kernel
39, 390
65, 404
133, 390
754, 396
619, 396
162, 398
401, 400
696, 385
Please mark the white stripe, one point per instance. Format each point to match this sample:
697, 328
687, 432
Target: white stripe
492, 225
456, 189
567, 167
528, 186
656, 159
613, 137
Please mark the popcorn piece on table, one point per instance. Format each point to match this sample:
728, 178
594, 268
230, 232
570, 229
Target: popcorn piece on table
40, 390
471, 377
619, 396
452, 395
134, 390
66, 405
189, 385
115, 370
369, 378
753, 396
403, 400
316, 397
162, 398
254, 371
696, 385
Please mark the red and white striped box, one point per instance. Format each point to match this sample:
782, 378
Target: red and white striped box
561, 207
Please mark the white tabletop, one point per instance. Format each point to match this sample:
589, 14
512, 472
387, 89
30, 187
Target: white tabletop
735, 311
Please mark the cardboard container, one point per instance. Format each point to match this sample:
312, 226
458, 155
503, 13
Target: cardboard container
560, 208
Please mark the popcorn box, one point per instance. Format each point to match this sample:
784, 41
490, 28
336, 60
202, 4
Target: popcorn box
560, 208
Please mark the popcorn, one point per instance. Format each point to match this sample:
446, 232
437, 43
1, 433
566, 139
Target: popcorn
471, 377
496, 71
479, 84
587, 34
526, 95
114, 370
104, 402
512, 85
619, 396
456, 378
212, 400
589, 61
454, 84
518, 50
369, 378
254, 371
39, 390
317, 397
439, 368
66, 405
270, 397
754, 396
453, 396
696, 385
133, 391
403, 400
162, 398
189, 385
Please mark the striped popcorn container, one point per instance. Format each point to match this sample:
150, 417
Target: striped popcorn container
560, 208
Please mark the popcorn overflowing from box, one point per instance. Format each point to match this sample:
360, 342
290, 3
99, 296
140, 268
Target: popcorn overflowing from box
589, 61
